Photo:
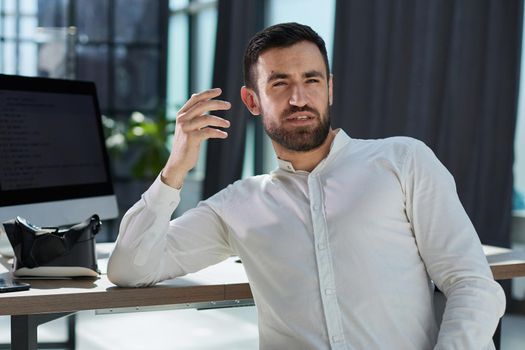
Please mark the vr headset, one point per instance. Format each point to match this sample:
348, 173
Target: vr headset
53, 252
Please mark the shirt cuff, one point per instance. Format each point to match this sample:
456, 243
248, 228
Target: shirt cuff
161, 196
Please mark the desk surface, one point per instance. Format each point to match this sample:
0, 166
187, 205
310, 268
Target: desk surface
505, 263
224, 281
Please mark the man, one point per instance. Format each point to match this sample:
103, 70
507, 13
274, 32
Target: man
341, 243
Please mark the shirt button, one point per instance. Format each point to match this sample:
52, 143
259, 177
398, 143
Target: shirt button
316, 207
321, 246
329, 291
337, 338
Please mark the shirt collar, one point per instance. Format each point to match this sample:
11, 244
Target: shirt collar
341, 139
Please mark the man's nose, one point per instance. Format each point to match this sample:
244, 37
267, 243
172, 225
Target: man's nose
298, 97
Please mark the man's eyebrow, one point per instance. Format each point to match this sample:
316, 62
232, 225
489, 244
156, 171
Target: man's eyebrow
276, 76
313, 74
309, 74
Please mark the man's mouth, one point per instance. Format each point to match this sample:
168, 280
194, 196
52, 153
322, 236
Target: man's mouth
300, 116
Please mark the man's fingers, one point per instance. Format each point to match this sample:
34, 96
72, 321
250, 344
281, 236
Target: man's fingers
204, 121
212, 133
204, 107
198, 97
193, 125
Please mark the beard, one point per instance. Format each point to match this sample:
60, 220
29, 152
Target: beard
299, 139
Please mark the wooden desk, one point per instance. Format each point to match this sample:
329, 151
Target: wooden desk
223, 282
222, 285
505, 263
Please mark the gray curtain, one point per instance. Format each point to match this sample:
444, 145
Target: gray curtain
445, 72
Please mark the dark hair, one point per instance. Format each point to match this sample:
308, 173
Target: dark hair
279, 36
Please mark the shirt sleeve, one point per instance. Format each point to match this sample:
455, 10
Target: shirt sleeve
151, 248
452, 253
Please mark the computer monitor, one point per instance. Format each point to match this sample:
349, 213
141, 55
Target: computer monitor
54, 168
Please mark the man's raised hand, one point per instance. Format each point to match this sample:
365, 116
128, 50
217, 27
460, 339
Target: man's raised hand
194, 125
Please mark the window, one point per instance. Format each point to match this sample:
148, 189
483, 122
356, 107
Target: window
119, 44
18, 46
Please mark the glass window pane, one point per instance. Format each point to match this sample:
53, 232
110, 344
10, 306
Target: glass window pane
27, 59
52, 13
177, 4
92, 65
137, 21
9, 27
27, 27
136, 79
9, 58
206, 30
10, 6
92, 20
28, 7
177, 89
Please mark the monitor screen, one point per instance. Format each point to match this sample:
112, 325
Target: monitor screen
53, 161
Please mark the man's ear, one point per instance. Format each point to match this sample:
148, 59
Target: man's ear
330, 89
249, 97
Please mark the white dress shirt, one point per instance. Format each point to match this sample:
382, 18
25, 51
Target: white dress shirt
338, 258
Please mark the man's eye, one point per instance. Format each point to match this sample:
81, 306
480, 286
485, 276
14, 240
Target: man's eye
310, 81
279, 83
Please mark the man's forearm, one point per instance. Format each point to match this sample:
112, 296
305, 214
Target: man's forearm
138, 255
472, 312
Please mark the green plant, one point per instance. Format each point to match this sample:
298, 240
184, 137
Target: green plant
139, 145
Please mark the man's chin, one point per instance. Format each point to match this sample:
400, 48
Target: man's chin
302, 138
303, 142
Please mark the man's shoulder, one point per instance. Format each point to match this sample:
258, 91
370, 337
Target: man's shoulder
241, 191
250, 183
397, 146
